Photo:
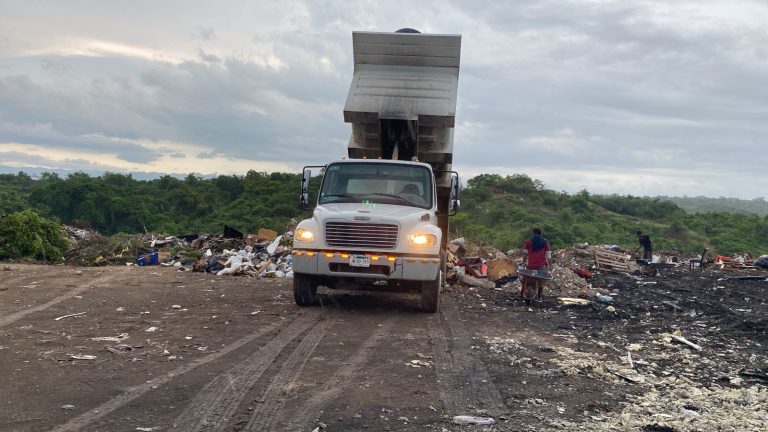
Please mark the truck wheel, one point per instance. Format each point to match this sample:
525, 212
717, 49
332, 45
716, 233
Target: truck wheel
430, 293
443, 270
304, 289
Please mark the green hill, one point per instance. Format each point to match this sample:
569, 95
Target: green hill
496, 210
502, 210
700, 204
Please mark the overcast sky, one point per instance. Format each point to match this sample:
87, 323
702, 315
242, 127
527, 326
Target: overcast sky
629, 97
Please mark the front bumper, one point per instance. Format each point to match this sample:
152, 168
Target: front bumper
387, 267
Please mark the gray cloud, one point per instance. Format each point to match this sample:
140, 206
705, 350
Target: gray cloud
54, 66
208, 58
205, 33
562, 88
207, 155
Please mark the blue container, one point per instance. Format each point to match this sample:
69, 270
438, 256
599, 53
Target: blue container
141, 261
153, 259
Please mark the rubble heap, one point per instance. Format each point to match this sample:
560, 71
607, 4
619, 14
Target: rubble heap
571, 268
265, 254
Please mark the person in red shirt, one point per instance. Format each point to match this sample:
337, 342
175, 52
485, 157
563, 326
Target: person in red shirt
536, 258
538, 251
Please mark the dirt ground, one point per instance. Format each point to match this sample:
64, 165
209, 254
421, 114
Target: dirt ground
192, 352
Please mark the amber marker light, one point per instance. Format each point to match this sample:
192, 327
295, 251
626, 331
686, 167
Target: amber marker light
391, 258
329, 255
310, 253
374, 257
345, 256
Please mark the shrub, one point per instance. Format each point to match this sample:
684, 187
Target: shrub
28, 235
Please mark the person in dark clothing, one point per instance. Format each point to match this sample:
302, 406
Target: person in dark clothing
646, 243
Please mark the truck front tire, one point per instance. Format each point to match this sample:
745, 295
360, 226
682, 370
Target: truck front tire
304, 289
431, 290
430, 294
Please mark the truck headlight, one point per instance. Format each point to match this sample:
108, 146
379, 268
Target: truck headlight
304, 235
422, 240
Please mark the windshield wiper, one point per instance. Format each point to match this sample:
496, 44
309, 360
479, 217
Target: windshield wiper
392, 196
330, 198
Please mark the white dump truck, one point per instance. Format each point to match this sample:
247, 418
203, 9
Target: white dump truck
381, 215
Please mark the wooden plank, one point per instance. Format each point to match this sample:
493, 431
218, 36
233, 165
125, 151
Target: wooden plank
612, 261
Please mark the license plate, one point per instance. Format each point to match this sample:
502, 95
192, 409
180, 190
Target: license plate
359, 261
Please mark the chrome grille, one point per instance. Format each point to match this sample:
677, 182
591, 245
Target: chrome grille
359, 235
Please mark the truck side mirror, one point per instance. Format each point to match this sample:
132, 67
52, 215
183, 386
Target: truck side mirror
453, 201
306, 174
304, 197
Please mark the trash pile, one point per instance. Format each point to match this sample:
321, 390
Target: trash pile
488, 267
264, 254
88, 247
572, 268
267, 254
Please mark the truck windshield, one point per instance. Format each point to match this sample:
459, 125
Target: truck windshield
383, 183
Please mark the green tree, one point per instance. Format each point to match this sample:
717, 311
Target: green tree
28, 235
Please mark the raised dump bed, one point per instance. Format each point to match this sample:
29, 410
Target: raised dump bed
402, 100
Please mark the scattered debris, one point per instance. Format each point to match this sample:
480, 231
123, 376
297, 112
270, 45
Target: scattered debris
473, 420
118, 338
82, 357
74, 315
603, 298
501, 267
573, 301
473, 281
419, 363
679, 338
613, 261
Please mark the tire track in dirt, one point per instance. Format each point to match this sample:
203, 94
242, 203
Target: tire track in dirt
6, 283
23, 274
272, 401
338, 381
9, 319
217, 402
463, 381
80, 422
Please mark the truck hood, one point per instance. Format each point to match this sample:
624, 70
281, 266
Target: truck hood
356, 212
